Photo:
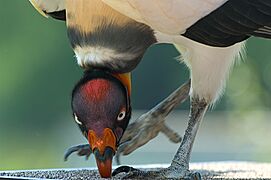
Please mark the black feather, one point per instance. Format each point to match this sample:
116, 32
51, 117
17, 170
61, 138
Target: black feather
59, 15
233, 22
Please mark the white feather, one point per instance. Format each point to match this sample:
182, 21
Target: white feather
49, 5
89, 55
209, 66
167, 16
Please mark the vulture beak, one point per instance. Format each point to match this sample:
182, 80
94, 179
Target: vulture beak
104, 148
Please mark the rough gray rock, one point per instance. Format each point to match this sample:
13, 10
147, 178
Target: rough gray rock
212, 170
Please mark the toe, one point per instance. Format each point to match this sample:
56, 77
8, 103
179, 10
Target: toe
69, 152
124, 169
82, 150
193, 176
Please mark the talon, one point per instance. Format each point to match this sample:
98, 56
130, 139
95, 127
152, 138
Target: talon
195, 176
82, 150
125, 169
69, 152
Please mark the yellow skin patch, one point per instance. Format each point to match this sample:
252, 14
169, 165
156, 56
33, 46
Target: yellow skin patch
126, 81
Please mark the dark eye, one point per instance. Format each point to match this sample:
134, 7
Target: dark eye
77, 119
121, 115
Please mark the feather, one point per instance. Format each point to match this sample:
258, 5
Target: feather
167, 16
233, 22
38, 8
53, 8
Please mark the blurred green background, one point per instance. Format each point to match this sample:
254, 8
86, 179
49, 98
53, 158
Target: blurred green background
38, 71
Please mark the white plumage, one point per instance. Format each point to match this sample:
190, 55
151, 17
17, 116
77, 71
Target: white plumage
209, 66
98, 55
167, 16
49, 5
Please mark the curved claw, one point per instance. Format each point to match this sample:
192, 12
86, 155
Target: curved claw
125, 169
82, 150
194, 176
133, 173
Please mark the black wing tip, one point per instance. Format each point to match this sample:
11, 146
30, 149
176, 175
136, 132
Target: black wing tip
59, 15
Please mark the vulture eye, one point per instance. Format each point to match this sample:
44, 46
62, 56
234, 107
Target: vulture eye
76, 119
121, 115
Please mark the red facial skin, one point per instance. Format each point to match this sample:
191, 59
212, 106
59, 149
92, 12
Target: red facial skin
97, 102
96, 90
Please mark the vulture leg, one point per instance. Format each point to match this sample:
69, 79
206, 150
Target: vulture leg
179, 167
209, 68
81, 150
148, 125
180, 162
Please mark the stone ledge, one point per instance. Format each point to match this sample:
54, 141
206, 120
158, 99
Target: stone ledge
208, 170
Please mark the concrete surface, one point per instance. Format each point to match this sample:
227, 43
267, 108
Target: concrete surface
210, 170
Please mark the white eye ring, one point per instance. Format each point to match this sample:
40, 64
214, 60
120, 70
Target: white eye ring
76, 119
121, 115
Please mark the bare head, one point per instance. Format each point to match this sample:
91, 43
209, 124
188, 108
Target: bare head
101, 108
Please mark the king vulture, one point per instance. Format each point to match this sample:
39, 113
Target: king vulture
110, 37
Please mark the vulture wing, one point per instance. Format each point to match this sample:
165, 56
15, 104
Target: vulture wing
53, 8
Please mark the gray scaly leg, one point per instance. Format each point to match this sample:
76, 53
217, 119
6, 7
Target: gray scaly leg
179, 168
180, 162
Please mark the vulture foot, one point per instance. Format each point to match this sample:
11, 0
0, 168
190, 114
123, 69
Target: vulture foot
168, 173
148, 126
179, 168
